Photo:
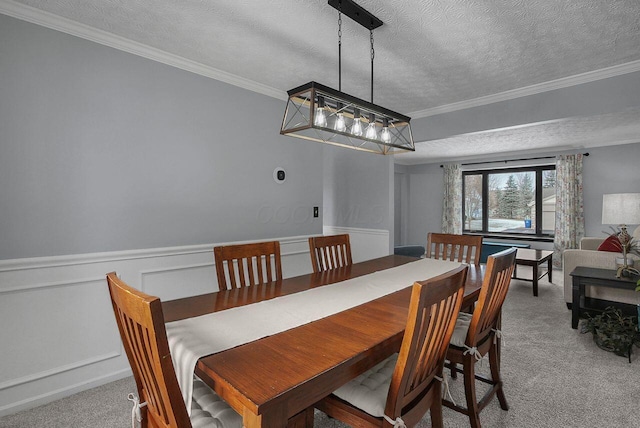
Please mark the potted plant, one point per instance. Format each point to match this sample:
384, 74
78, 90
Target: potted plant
638, 305
613, 332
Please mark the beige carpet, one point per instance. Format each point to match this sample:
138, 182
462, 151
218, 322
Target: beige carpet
553, 376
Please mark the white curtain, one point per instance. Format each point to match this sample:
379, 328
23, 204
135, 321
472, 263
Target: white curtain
569, 227
452, 205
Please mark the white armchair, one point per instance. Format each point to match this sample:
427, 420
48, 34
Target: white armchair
589, 256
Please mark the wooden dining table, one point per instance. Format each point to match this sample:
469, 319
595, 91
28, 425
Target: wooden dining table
275, 381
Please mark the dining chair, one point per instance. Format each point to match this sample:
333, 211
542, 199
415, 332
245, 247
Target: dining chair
478, 334
141, 325
461, 248
400, 390
243, 265
330, 252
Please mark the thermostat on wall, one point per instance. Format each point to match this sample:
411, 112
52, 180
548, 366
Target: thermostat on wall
279, 175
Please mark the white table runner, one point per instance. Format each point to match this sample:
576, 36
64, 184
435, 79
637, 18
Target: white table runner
193, 338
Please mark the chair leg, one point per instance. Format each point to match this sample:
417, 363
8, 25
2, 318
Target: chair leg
436, 409
494, 365
454, 373
470, 390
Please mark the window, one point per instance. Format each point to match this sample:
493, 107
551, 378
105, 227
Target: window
514, 201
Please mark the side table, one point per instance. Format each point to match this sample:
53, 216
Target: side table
534, 258
594, 277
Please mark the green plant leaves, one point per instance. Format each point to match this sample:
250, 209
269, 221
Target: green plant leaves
613, 332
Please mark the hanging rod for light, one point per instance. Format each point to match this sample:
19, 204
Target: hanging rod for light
318, 113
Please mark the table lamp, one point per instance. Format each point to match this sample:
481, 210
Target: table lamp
622, 209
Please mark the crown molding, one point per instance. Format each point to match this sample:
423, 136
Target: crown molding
408, 160
65, 25
565, 82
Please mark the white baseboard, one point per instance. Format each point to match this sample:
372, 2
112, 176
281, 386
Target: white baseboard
66, 391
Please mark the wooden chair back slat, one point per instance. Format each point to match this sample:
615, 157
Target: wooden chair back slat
244, 265
433, 310
232, 275
330, 252
415, 388
250, 270
141, 325
460, 248
483, 339
492, 295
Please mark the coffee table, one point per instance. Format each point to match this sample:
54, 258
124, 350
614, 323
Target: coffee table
583, 276
534, 258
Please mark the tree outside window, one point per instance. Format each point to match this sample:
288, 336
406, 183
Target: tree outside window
473, 202
513, 202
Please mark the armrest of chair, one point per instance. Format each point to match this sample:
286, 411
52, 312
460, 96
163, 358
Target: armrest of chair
589, 243
589, 258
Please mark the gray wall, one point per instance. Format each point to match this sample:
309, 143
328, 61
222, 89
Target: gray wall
423, 186
101, 150
358, 189
612, 169
599, 97
608, 170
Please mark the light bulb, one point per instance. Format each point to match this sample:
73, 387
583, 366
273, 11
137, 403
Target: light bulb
340, 125
371, 132
371, 129
385, 135
320, 116
356, 129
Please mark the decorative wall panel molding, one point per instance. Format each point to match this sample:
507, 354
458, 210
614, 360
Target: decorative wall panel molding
59, 335
366, 244
61, 369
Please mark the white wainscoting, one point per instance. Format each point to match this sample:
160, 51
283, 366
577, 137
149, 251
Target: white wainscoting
57, 328
366, 244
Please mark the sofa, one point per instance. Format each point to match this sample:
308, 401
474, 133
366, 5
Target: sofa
589, 256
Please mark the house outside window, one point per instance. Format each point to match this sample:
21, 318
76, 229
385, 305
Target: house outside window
514, 201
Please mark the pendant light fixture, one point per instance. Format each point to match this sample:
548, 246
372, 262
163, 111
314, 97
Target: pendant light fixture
318, 113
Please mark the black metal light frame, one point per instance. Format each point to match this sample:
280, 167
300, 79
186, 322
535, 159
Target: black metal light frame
390, 131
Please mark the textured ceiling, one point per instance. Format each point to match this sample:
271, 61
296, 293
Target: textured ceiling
548, 137
428, 54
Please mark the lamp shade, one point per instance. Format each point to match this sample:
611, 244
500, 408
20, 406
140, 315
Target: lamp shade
621, 208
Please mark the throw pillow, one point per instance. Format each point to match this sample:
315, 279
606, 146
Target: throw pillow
610, 244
